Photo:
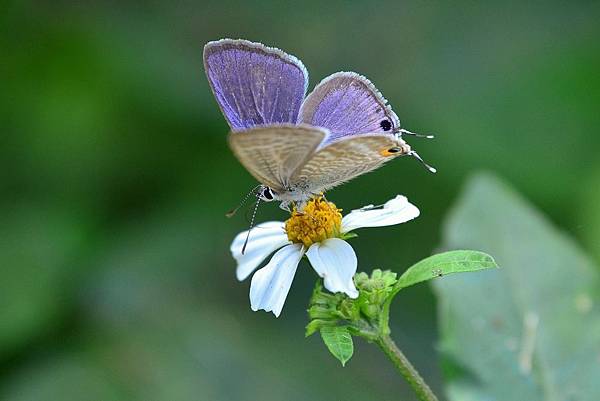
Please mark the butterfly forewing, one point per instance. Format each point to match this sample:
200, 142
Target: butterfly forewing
273, 153
344, 160
347, 103
254, 84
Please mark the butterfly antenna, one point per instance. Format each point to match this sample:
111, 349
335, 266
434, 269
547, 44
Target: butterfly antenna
251, 225
427, 166
232, 212
407, 132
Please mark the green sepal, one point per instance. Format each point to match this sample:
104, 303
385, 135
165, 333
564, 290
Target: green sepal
315, 325
347, 236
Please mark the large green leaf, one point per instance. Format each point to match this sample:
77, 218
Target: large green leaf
445, 263
339, 342
528, 331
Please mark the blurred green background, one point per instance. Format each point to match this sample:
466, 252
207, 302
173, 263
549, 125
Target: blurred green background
116, 281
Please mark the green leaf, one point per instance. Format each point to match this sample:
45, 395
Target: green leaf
339, 342
445, 263
528, 331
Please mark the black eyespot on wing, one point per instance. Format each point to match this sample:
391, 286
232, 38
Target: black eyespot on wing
386, 125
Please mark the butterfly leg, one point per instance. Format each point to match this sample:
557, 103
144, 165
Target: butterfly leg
285, 205
300, 206
326, 201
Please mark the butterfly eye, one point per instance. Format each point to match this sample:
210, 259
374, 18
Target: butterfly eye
267, 195
386, 125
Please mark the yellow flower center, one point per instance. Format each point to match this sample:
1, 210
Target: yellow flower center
318, 221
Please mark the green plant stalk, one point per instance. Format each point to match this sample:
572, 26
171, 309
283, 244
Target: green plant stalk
406, 369
379, 333
389, 347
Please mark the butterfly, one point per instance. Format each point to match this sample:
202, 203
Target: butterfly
300, 146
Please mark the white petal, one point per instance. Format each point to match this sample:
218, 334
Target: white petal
271, 284
264, 239
335, 261
395, 211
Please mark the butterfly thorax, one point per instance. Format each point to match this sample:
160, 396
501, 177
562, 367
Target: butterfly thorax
297, 196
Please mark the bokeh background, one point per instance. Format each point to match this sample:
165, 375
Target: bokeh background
116, 281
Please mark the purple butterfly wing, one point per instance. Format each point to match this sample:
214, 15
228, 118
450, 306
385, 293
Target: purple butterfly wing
347, 103
254, 84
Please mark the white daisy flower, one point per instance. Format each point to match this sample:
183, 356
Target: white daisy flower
317, 232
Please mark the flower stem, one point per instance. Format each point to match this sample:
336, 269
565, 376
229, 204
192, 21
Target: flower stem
405, 368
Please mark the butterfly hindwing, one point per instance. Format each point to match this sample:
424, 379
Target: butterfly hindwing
254, 84
347, 103
343, 160
273, 153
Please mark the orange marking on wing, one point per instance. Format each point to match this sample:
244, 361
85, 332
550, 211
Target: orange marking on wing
386, 152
